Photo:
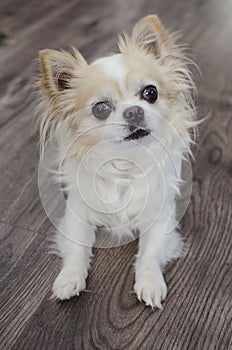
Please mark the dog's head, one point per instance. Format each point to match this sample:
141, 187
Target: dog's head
139, 94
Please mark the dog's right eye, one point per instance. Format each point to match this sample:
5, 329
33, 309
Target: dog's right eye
102, 110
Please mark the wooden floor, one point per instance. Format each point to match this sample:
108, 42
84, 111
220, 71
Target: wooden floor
197, 312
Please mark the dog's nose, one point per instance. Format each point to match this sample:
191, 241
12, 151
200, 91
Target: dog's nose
134, 115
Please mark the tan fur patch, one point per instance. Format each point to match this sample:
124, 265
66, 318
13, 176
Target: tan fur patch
154, 23
94, 84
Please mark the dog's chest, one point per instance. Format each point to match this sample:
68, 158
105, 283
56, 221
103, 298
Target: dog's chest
122, 196
118, 197
122, 199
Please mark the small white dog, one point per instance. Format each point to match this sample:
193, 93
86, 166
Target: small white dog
122, 125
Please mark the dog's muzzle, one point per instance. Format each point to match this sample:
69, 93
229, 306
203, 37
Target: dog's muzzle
135, 118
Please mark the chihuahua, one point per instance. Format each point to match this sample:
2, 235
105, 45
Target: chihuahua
123, 127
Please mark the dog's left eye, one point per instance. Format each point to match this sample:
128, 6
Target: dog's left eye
149, 94
102, 110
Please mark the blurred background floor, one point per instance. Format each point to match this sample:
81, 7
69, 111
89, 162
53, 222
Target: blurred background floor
197, 311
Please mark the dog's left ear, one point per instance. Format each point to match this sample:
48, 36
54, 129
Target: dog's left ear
149, 35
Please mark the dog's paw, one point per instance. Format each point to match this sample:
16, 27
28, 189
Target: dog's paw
68, 284
150, 287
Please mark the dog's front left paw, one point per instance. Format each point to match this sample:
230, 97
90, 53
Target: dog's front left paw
68, 284
150, 287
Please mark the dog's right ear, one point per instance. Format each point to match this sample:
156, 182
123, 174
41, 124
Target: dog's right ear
58, 69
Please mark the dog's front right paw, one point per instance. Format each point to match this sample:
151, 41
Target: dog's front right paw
68, 284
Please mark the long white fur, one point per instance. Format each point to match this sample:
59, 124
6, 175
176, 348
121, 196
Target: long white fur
122, 189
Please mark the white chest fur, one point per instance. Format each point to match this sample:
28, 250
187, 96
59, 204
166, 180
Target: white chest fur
119, 194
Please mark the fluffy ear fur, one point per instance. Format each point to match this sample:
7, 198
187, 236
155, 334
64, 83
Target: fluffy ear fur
150, 36
58, 69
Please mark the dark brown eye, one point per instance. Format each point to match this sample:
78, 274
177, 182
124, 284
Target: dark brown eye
149, 94
102, 110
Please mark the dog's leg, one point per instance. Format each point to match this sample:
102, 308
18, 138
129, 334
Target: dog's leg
156, 248
75, 242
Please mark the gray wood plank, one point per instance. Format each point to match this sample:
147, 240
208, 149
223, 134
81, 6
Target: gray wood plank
13, 245
27, 270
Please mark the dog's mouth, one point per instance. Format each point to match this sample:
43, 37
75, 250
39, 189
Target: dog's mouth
137, 133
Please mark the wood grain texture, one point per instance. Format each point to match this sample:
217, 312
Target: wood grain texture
197, 312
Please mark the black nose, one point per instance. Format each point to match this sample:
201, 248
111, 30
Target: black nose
134, 115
